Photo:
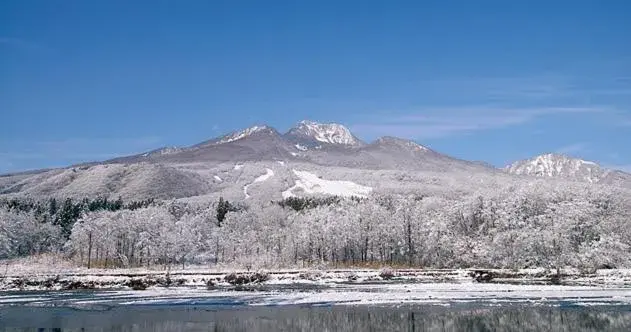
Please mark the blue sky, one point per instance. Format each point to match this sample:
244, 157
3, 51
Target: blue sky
493, 80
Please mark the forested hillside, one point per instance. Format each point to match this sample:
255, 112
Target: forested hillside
537, 224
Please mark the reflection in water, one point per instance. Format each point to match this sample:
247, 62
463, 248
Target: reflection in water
337, 318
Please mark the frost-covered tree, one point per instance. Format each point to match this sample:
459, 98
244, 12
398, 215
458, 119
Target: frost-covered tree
22, 234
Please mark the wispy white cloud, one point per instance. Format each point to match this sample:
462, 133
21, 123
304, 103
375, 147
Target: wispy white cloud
535, 88
532, 86
61, 152
443, 122
23, 44
71, 144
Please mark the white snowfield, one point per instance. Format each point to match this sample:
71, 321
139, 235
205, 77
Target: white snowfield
430, 294
331, 133
317, 287
441, 294
241, 134
269, 173
312, 184
554, 165
218, 178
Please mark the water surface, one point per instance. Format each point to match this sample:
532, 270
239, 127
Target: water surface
315, 318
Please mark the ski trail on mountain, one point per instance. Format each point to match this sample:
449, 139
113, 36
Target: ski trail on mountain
312, 184
269, 173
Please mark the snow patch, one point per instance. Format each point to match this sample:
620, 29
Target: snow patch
168, 150
554, 165
300, 147
238, 167
268, 174
241, 134
416, 146
312, 184
331, 133
218, 178
282, 163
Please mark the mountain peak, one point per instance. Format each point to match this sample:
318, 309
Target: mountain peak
241, 134
557, 165
401, 142
328, 133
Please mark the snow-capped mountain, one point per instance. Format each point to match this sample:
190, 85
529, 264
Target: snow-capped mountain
311, 134
395, 142
562, 166
227, 164
240, 135
557, 165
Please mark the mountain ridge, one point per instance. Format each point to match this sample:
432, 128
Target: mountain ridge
329, 149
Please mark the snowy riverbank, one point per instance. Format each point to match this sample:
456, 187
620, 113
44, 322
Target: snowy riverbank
434, 294
18, 277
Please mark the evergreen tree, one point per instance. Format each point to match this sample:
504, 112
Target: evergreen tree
223, 207
52, 206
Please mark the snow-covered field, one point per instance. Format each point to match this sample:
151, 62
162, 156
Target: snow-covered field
42, 280
432, 293
391, 285
310, 183
268, 174
443, 294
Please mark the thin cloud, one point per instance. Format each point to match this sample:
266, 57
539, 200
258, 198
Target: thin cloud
528, 90
530, 87
72, 143
54, 153
444, 122
24, 44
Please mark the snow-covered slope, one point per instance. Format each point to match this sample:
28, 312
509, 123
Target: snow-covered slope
238, 135
311, 184
558, 165
268, 174
169, 150
317, 143
134, 181
310, 134
394, 142
216, 167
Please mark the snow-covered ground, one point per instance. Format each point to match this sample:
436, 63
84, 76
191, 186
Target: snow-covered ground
437, 294
443, 294
312, 184
21, 278
268, 174
41, 280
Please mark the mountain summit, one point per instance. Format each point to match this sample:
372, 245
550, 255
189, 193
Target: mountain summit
260, 159
312, 134
562, 166
238, 135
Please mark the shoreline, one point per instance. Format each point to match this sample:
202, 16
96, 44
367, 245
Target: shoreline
141, 279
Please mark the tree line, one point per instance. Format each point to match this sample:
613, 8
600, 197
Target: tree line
540, 225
